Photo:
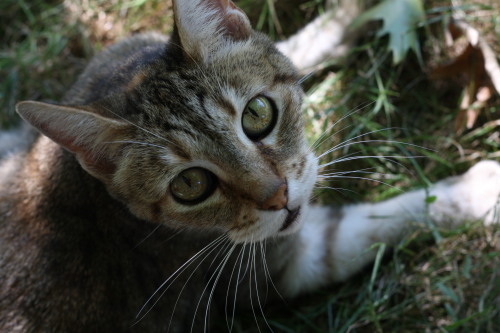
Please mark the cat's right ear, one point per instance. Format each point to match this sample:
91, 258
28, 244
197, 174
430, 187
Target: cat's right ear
83, 132
205, 26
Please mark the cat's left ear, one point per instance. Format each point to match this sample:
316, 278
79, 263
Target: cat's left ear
81, 130
205, 26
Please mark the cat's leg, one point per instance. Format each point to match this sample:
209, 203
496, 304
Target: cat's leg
335, 243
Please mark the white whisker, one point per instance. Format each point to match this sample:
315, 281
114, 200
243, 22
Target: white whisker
223, 264
336, 189
387, 158
346, 144
148, 236
266, 270
174, 276
369, 179
240, 258
341, 173
257, 287
252, 267
139, 127
136, 142
305, 77
316, 144
208, 283
191, 275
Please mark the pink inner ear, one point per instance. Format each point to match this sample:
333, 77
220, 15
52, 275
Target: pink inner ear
101, 167
235, 23
92, 162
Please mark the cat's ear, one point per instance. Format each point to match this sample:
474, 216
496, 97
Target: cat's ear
204, 26
82, 131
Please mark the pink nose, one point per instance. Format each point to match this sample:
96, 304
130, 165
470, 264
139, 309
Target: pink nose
277, 200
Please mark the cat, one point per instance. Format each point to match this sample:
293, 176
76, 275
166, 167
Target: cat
174, 181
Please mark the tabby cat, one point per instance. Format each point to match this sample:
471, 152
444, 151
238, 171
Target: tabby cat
173, 182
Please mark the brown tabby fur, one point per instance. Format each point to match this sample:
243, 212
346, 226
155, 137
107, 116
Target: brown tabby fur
81, 250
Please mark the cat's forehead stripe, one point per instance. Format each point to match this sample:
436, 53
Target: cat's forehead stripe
285, 78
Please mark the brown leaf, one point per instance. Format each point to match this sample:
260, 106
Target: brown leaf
470, 65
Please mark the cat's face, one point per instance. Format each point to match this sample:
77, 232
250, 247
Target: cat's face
230, 139
211, 135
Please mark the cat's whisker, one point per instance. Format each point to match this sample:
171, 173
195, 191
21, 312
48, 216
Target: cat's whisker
240, 279
356, 137
316, 144
340, 173
320, 166
267, 271
324, 136
138, 127
247, 268
175, 234
305, 77
191, 275
336, 189
263, 263
369, 179
257, 286
213, 244
387, 158
222, 266
208, 283
345, 144
148, 235
251, 257
182, 289
136, 142
240, 259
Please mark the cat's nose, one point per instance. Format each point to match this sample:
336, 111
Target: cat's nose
277, 200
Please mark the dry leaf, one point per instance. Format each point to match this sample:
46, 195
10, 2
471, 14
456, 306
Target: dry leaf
478, 66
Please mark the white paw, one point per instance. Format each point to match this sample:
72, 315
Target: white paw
474, 195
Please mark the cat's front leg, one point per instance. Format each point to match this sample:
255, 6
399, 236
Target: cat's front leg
336, 243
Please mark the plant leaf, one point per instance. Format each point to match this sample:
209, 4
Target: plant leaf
400, 19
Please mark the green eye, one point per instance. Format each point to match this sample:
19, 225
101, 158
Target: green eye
192, 186
258, 118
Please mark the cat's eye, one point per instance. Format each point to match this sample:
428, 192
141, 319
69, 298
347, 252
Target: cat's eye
258, 118
193, 185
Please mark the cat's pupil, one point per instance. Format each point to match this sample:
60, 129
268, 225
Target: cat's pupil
187, 181
193, 185
258, 118
253, 112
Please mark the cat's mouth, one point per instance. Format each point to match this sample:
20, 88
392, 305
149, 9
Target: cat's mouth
290, 219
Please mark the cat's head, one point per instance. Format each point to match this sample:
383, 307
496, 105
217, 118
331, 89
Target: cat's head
206, 134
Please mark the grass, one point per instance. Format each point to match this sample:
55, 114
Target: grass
418, 287
424, 284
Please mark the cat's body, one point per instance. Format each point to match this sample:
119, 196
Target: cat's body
94, 225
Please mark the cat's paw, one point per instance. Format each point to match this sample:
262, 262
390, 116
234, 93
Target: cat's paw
474, 195
484, 179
